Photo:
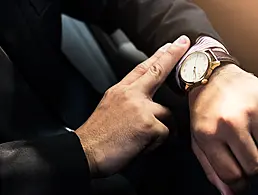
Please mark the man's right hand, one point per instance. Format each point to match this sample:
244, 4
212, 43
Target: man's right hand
127, 121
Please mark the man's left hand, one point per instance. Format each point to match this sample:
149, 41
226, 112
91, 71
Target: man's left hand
224, 119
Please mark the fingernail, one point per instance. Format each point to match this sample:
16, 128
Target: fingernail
182, 40
165, 47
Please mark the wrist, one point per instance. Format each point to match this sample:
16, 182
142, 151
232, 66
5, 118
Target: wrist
221, 74
88, 152
225, 72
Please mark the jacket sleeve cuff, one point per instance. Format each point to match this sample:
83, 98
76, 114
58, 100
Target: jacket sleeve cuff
68, 164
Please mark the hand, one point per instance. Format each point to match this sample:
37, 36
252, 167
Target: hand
127, 121
224, 118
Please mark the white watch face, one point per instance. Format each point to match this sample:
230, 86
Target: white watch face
194, 67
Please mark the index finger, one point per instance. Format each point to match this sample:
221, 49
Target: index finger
160, 69
143, 67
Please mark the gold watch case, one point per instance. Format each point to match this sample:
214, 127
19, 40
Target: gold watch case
213, 64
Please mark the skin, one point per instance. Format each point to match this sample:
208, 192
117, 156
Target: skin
224, 115
127, 121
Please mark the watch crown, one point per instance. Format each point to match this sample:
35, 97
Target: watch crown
204, 81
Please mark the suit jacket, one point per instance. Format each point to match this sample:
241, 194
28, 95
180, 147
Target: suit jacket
30, 33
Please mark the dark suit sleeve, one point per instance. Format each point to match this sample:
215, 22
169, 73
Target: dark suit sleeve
52, 165
148, 23
151, 23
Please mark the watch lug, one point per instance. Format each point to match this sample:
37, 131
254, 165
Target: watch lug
205, 81
187, 87
215, 64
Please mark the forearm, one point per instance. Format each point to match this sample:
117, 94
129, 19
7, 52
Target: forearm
52, 165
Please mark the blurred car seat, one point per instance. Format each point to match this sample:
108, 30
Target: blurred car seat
22, 114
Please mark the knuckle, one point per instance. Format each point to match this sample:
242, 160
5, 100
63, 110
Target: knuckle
117, 93
135, 107
232, 119
126, 94
147, 122
251, 109
172, 51
176, 52
252, 168
110, 92
204, 134
142, 68
157, 69
233, 178
228, 120
164, 131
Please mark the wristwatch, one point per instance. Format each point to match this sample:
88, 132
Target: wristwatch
197, 67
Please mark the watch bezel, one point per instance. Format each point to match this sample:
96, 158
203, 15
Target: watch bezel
204, 75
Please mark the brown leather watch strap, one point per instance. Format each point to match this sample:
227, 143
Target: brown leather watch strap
225, 58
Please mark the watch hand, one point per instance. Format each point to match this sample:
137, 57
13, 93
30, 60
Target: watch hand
196, 60
195, 67
194, 73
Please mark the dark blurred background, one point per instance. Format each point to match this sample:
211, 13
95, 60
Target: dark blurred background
236, 22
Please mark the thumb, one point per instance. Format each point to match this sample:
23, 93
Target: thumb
159, 70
